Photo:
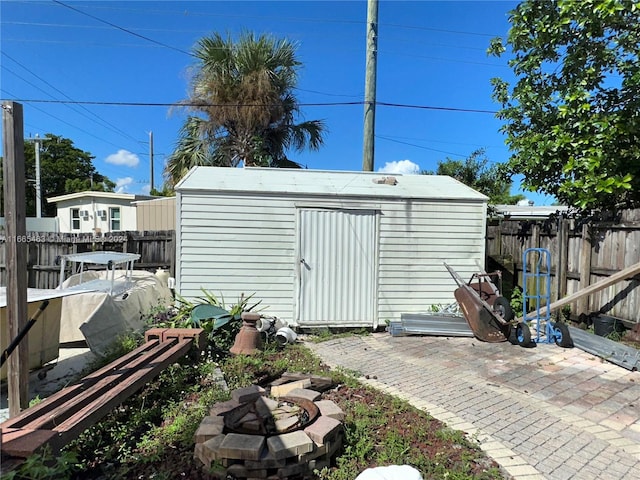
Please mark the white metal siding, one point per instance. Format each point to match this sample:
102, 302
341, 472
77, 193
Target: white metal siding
337, 268
415, 239
238, 245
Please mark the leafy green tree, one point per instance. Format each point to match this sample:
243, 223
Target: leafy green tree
63, 169
476, 173
243, 107
572, 117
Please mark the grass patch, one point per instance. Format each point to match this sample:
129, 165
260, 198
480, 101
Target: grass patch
151, 434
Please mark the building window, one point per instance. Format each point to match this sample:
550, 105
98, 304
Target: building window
114, 219
75, 219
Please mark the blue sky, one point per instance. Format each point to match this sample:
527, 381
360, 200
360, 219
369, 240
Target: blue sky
432, 57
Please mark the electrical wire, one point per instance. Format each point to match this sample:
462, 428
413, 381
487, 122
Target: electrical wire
210, 105
292, 19
96, 118
382, 137
130, 32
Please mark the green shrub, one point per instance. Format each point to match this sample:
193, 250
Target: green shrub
221, 330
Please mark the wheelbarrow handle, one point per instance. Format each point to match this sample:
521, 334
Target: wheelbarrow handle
459, 280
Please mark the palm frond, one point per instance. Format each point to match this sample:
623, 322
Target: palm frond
245, 105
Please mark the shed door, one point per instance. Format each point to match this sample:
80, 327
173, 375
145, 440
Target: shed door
337, 268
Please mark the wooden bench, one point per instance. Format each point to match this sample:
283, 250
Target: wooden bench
61, 417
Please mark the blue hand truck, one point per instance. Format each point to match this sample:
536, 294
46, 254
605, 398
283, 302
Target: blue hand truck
536, 296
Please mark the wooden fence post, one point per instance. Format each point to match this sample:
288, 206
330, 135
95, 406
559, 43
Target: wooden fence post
562, 265
582, 305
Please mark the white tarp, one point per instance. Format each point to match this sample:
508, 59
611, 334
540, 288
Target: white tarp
99, 317
43, 335
41, 294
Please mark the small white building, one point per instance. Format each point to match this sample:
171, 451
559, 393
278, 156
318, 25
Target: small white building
528, 212
326, 249
96, 212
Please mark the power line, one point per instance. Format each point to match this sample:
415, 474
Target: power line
429, 107
419, 146
61, 120
441, 30
431, 149
239, 105
440, 59
156, 42
191, 31
291, 19
101, 121
130, 32
440, 141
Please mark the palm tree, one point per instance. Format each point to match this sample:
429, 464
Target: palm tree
243, 109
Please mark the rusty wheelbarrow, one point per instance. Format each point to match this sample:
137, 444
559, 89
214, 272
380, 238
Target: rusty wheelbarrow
488, 314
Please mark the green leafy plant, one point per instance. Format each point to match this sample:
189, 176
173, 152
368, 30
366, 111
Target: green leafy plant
221, 327
45, 466
517, 297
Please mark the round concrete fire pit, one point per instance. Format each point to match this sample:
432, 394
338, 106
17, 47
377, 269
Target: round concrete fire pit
284, 435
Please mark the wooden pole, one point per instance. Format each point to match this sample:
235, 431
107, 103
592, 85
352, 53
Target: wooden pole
16, 253
370, 86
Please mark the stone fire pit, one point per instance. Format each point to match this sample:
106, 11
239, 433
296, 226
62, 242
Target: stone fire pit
283, 433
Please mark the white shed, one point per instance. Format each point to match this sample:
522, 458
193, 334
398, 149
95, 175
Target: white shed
327, 248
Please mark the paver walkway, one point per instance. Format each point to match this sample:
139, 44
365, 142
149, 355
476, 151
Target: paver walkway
541, 413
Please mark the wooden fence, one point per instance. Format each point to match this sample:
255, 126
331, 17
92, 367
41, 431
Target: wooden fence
581, 254
156, 249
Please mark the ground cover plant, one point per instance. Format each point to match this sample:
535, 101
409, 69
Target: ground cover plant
150, 436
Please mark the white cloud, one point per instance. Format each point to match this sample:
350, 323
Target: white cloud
406, 167
123, 157
146, 188
122, 184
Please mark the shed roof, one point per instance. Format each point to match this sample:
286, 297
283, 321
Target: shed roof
97, 194
323, 182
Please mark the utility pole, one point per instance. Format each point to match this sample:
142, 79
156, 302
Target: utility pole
37, 141
370, 85
151, 156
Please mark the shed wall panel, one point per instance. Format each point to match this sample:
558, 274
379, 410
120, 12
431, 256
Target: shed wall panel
414, 244
238, 245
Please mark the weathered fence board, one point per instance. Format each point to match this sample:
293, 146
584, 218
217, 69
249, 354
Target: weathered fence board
581, 256
156, 249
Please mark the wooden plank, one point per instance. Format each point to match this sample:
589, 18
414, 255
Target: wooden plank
596, 287
95, 410
63, 416
112, 380
16, 253
58, 398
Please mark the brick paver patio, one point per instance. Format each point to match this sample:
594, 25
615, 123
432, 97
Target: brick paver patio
541, 413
